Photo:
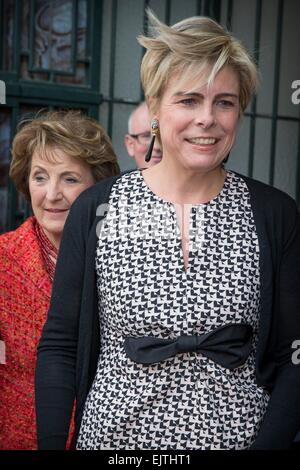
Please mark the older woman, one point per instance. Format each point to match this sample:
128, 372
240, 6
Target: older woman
193, 276
54, 158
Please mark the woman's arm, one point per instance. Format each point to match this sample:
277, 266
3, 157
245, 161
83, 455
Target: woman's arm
282, 419
56, 360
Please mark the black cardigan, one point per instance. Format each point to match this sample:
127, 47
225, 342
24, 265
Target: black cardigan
69, 347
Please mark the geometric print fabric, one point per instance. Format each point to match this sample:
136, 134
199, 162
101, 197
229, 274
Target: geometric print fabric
187, 401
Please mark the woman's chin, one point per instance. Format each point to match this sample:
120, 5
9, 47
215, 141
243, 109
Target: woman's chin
202, 164
53, 229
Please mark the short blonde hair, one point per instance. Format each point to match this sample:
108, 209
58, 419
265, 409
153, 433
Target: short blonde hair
197, 42
74, 133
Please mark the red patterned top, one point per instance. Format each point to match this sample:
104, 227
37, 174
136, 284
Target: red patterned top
25, 289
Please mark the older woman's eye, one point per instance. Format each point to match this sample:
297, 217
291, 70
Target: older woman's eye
71, 180
39, 178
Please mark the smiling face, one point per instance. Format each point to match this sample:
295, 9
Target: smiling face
54, 186
198, 124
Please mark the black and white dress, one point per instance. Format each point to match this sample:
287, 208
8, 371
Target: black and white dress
187, 401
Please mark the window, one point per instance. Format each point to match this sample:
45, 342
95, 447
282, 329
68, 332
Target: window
49, 58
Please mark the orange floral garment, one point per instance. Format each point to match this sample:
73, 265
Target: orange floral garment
25, 290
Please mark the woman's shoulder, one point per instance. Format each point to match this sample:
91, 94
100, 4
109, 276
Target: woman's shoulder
24, 234
21, 260
267, 196
96, 194
19, 248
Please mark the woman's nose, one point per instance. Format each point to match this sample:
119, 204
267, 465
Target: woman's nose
54, 191
205, 117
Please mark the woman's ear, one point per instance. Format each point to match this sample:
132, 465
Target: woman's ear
152, 107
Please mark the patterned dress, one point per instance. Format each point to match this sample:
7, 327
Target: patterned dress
187, 401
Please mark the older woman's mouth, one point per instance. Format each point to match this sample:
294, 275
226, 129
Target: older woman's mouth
56, 211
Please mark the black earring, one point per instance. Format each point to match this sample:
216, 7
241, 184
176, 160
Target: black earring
154, 132
226, 158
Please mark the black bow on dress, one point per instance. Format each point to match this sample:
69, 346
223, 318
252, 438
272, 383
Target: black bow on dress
227, 345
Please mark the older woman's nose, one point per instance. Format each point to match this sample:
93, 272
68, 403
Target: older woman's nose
54, 191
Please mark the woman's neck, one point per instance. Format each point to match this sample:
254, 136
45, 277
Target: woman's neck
48, 250
186, 186
54, 238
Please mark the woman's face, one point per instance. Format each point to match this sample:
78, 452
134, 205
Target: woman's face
53, 188
198, 124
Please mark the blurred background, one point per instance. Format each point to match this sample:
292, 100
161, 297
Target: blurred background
83, 54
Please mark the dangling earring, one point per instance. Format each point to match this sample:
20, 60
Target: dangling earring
226, 158
154, 132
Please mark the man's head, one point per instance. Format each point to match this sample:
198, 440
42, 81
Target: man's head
138, 138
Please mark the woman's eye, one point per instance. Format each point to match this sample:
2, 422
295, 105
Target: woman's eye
188, 101
226, 103
39, 178
71, 180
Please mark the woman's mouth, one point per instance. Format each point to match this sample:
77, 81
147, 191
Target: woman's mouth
203, 140
56, 211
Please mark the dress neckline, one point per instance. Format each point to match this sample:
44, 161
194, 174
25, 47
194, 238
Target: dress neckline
161, 200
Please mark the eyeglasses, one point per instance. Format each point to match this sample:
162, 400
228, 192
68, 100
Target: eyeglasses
144, 138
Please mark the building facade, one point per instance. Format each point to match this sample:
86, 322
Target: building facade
83, 54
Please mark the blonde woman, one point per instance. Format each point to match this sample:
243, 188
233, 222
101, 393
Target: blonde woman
192, 274
54, 158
